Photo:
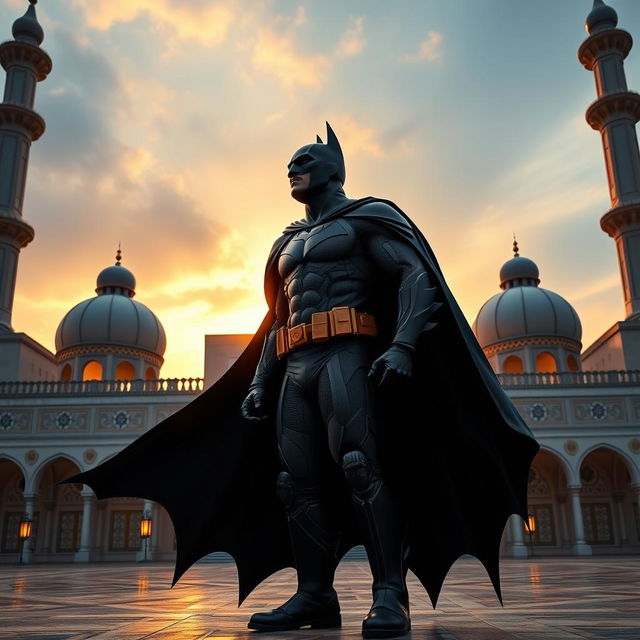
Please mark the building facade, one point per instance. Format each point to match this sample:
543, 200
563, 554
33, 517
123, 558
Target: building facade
66, 412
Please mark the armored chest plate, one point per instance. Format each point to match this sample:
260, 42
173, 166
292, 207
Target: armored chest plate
329, 242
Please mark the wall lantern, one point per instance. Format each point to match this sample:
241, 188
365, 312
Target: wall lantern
24, 532
146, 526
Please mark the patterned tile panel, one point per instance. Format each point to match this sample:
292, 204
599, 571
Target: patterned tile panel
130, 419
537, 412
14, 421
68, 420
599, 411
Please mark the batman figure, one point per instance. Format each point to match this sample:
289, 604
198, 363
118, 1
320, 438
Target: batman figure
362, 412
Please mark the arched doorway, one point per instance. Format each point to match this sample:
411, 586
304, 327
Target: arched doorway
547, 499
61, 510
11, 509
609, 506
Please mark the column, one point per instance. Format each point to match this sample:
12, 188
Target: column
635, 487
517, 547
46, 529
618, 499
580, 547
155, 533
566, 538
27, 552
84, 553
101, 541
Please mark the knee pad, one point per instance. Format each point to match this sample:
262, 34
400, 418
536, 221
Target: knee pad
285, 489
293, 493
360, 474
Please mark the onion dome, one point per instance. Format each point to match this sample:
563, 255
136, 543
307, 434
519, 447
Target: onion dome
525, 310
601, 17
112, 318
27, 28
519, 271
116, 279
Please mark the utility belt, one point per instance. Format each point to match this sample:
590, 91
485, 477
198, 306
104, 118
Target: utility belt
340, 321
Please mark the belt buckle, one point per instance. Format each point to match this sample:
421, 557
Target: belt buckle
341, 321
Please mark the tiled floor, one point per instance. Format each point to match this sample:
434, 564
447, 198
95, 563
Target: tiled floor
545, 599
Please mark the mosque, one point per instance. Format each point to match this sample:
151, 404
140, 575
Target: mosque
65, 412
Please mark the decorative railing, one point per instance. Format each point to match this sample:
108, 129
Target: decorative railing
169, 386
569, 379
192, 386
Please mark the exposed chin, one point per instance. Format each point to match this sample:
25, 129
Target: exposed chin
301, 195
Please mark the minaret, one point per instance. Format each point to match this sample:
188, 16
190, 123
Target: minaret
614, 114
26, 64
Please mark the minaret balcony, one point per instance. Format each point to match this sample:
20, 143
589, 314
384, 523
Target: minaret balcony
19, 230
602, 43
611, 106
16, 115
26, 53
621, 219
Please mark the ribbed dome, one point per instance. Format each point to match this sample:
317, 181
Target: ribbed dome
601, 17
524, 309
27, 28
112, 317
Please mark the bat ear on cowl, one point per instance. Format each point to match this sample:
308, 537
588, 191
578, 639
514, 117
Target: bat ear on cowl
334, 145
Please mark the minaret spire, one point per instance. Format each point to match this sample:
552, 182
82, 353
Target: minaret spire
614, 114
26, 64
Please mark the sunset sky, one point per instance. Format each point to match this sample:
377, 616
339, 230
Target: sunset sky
170, 124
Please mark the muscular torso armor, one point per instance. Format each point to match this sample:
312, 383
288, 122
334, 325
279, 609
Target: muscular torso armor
349, 262
325, 267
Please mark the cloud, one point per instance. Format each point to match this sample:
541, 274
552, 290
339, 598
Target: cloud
275, 54
197, 21
429, 49
355, 138
352, 42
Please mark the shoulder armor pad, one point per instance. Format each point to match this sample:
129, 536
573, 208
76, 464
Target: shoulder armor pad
382, 210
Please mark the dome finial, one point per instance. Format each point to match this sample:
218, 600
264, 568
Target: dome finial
119, 251
601, 18
27, 28
516, 253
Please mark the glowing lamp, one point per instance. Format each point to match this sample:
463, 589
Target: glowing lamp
145, 527
531, 523
25, 529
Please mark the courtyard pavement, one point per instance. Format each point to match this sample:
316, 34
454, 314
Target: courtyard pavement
545, 599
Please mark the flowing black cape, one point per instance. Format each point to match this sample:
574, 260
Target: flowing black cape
451, 444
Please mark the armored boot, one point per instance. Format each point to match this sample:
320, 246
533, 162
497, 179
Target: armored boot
315, 603
382, 529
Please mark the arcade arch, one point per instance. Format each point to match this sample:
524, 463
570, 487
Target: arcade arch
547, 498
12, 506
58, 507
610, 508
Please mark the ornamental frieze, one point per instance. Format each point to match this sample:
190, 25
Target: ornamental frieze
15, 421
121, 419
538, 412
64, 421
599, 410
